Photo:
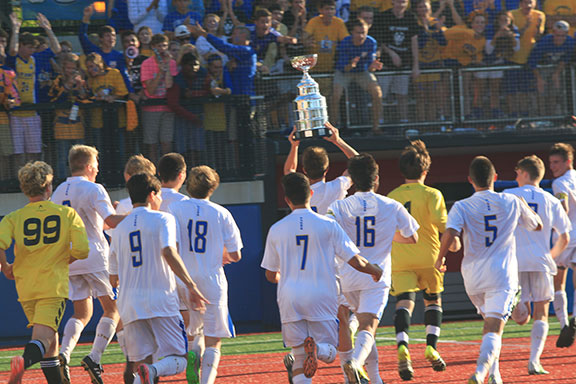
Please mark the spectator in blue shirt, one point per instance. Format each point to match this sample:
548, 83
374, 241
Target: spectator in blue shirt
555, 49
179, 17
355, 62
107, 37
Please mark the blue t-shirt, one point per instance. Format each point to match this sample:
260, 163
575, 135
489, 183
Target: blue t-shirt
194, 6
546, 52
174, 19
245, 58
113, 59
260, 44
347, 51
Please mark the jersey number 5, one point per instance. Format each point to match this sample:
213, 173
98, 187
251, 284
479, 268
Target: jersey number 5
490, 228
34, 227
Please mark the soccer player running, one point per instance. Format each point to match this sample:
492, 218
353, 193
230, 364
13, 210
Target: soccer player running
561, 158
373, 221
208, 238
413, 265
535, 258
300, 256
47, 238
88, 278
144, 260
489, 267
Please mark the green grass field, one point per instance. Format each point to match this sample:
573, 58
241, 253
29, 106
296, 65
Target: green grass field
272, 342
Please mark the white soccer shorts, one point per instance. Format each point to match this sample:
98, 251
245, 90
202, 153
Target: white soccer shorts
95, 284
496, 304
368, 301
215, 321
567, 259
159, 336
536, 286
294, 332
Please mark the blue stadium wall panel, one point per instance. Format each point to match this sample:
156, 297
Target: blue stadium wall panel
245, 282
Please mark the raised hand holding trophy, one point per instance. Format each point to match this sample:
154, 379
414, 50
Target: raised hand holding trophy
311, 111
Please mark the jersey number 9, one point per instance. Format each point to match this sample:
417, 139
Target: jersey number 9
136, 248
34, 227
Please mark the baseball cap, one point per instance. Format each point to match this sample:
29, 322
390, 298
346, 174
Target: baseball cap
181, 31
562, 25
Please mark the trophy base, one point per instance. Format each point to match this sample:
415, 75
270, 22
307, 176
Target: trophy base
312, 133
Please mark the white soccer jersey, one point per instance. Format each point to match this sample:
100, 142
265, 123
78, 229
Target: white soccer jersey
533, 248
371, 220
564, 188
325, 193
487, 221
170, 196
124, 206
302, 247
204, 229
148, 284
92, 203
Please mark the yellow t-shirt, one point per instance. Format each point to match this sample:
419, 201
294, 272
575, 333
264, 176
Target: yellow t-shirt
112, 81
46, 235
528, 38
463, 45
432, 50
326, 39
561, 8
376, 4
427, 206
25, 82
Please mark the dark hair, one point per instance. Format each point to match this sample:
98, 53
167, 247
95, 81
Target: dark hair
275, 7
366, 8
296, 188
356, 23
363, 170
315, 162
564, 150
482, 171
140, 185
105, 29
28, 39
212, 58
262, 12
324, 3
127, 33
534, 166
170, 166
414, 160
41, 40
158, 39
190, 58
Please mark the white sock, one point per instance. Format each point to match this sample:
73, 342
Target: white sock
560, 307
495, 369
489, 350
210, 361
363, 347
299, 357
104, 333
372, 368
326, 352
198, 344
122, 342
170, 366
574, 302
538, 339
301, 379
72, 332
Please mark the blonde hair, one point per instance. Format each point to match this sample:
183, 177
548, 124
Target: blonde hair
80, 156
202, 182
35, 178
139, 164
534, 166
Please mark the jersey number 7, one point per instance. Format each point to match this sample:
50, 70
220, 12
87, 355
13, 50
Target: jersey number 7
303, 241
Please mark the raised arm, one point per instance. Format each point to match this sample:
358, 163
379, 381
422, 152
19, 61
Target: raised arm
52, 39
87, 45
339, 142
291, 163
14, 39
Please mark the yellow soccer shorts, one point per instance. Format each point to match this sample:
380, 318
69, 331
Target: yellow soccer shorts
429, 280
48, 311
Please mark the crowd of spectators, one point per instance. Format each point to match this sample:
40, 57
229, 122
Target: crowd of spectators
173, 54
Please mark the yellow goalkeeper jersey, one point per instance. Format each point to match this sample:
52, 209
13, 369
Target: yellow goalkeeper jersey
46, 235
427, 206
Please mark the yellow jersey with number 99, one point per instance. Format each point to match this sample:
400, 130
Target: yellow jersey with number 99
427, 206
46, 235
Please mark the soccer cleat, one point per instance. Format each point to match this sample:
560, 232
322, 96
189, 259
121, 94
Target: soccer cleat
474, 380
492, 379
16, 370
64, 369
193, 368
567, 335
94, 370
353, 374
536, 369
289, 363
405, 364
310, 363
147, 373
435, 359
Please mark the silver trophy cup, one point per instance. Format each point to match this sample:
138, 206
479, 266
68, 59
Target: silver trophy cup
311, 111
